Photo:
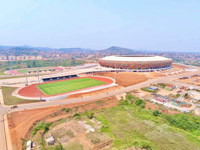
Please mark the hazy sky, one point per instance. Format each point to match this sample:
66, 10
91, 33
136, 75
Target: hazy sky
98, 24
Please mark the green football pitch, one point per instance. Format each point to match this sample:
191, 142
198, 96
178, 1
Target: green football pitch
69, 85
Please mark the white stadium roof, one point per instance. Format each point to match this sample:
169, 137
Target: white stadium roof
135, 58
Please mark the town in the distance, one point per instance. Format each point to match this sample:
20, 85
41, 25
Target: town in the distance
84, 99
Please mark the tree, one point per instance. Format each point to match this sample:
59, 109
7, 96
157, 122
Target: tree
139, 102
156, 113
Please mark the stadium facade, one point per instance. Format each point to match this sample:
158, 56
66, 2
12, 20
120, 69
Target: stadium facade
136, 62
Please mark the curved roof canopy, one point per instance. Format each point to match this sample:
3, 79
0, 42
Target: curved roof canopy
136, 58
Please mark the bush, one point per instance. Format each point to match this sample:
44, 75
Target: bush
67, 110
147, 90
162, 85
90, 115
186, 96
77, 115
139, 102
57, 147
156, 113
95, 141
41, 126
185, 122
128, 100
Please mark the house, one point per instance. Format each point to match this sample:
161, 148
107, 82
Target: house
50, 140
169, 87
160, 98
152, 88
194, 95
28, 145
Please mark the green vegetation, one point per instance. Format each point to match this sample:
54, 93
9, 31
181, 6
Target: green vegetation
7, 65
12, 100
147, 90
73, 146
185, 122
77, 115
175, 96
22, 71
41, 126
67, 110
69, 85
130, 125
162, 85
57, 147
156, 113
130, 99
186, 96
140, 102
90, 115
2, 73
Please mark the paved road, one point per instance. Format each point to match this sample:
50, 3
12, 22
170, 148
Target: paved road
168, 79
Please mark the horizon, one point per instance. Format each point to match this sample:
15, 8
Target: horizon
144, 50
158, 26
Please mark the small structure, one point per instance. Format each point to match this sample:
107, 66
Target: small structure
169, 87
50, 140
195, 95
152, 88
160, 98
28, 145
180, 103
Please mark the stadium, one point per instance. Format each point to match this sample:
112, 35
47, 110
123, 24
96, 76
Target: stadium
82, 80
137, 62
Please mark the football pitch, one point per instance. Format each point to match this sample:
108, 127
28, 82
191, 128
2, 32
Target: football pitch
55, 88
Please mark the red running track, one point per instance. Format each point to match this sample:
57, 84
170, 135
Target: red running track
33, 91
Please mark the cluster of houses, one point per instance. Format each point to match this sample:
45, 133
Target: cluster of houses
164, 99
20, 58
169, 87
49, 139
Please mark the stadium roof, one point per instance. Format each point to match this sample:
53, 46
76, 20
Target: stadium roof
135, 58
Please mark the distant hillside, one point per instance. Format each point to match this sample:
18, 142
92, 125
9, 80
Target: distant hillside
74, 50
30, 50
114, 50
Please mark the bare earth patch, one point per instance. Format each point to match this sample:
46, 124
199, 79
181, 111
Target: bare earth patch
20, 123
126, 78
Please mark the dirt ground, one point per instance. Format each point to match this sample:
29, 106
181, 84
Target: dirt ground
20, 123
126, 78
95, 92
192, 80
179, 66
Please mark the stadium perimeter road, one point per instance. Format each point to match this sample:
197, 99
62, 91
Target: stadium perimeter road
4, 110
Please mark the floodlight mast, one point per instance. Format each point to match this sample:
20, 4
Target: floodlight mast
115, 73
26, 78
39, 87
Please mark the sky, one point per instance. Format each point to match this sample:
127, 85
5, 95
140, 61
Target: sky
166, 25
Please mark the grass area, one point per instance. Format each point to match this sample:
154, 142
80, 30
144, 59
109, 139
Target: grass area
12, 100
39, 63
73, 146
69, 85
22, 71
2, 73
147, 90
132, 126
